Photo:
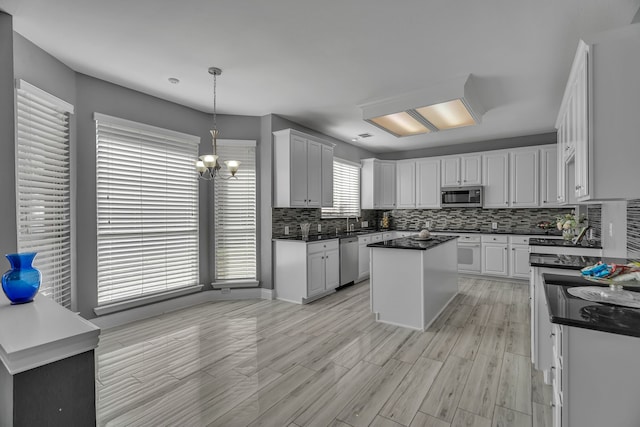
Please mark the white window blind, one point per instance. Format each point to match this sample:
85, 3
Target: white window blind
147, 194
43, 187
235, 214
346, 190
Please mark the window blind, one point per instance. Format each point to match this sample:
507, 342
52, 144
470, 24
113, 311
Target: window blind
147, 196
43, 187
346, 190
235, 214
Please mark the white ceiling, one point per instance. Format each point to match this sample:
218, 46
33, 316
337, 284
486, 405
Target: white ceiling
314, 62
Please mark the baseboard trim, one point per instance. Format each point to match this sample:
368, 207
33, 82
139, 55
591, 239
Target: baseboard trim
124, 317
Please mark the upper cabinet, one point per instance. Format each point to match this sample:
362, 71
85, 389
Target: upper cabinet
598, 124
495, 179
524, 169
549, 176
428, 183
378, 184
302, 170
462, 170
406, 184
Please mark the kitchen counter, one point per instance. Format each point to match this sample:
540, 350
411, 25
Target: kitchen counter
566, 309
409, 243
330, 236
570, 262
515, 231
564, 243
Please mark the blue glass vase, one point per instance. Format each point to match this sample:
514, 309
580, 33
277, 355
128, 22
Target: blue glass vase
21, 283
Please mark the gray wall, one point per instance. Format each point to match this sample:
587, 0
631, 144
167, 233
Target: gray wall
7, 137
473, 147
95, 95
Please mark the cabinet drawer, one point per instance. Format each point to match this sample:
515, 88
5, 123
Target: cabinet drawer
322, 246
519, 240
387, 236
495, 239
376, 237
364, 240
469, 239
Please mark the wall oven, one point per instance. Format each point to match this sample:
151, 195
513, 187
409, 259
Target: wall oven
469, 248
461, 197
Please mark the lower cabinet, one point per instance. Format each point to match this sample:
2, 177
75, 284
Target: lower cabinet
519, 257
364, 252
494, 255
303, 275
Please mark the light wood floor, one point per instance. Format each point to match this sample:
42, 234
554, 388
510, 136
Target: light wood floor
271, 363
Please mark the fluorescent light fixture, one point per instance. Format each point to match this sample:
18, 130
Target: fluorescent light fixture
448, 105
447, 115
400, 124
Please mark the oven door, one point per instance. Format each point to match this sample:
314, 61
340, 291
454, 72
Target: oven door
469, 257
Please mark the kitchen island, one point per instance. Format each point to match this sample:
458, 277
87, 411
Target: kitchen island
412, 281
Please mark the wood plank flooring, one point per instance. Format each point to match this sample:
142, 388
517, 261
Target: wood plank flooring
328, 363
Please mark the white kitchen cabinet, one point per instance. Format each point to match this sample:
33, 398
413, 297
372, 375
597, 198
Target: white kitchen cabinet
378, 184
305, 271
303, 170
524, 171
428, 184
519, 257
495, 261
462, 170
451, 171
471, 169
598, 116
406, 184
549, 176
495, 178
327, 176
364, 252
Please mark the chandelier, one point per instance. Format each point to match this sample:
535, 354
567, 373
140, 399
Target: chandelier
208, 166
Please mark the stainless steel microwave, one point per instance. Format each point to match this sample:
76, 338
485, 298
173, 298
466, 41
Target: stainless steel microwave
461, 197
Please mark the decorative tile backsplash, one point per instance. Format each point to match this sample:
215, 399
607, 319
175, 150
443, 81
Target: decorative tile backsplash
294, 217
507, 219
594, 214
633, 228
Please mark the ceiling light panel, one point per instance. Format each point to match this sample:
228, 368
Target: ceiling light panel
447, 115
400, 124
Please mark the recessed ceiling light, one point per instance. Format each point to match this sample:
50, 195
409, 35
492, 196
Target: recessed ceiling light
173, 80
400, 124
447, 115
354, 139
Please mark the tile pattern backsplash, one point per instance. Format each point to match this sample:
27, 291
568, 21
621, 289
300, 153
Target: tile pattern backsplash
469, 218
594, 215
294, 217
633, 228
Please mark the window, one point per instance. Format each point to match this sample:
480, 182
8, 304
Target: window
235, 214
147, 196
43, 187
346, 190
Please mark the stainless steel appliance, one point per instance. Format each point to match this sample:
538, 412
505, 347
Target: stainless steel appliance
348, 260
461, 197
469, 249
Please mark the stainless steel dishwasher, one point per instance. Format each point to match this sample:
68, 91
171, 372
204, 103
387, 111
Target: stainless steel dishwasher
348, 260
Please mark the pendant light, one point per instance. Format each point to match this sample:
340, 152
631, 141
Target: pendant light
208, 166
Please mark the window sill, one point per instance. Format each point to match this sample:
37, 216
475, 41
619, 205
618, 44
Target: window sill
137, 302
235, 284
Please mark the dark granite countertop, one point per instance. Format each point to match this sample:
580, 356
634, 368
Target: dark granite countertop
566, 309
515, 231
329, 236
561, 243
570, 262
409, 243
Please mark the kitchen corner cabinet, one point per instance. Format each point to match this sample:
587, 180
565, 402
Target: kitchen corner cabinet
378, 184
302, 170
462, 170
597, 123
495, 178
406, 184
524, 170
306, 271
